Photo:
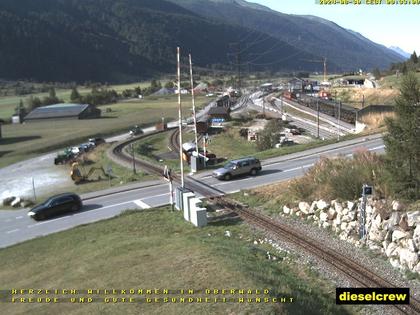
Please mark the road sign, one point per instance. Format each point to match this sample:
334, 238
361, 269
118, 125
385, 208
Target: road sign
367, 190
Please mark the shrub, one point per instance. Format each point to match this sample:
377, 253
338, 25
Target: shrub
342, 178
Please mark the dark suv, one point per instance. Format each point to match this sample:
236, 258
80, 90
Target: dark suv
56, 205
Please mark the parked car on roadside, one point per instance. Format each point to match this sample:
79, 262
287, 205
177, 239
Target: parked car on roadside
56, 205
96, 141
244, 166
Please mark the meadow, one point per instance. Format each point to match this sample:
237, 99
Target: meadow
26, 140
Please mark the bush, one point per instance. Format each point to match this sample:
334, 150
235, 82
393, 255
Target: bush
342, 178
270, 135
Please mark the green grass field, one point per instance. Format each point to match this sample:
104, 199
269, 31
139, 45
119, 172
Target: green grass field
229, 145
392, 81
9, 103
27, 140
157, 249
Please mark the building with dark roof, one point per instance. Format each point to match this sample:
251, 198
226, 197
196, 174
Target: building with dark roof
63, 111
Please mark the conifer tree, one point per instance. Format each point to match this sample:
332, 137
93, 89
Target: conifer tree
403, 140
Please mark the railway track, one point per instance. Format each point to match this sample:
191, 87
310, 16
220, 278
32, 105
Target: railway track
118, 152
355, 272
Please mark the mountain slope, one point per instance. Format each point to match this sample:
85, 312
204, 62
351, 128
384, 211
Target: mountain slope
321, 37
401, 52
119, 40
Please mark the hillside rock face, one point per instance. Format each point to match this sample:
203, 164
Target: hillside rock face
390, 230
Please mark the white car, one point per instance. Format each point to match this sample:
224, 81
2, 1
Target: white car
75, 150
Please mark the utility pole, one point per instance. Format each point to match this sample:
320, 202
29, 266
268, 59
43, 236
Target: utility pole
33, 189
167, 175
317, 118
325, 69
180, 117
193, 106
237, 52
133, 158
338, 120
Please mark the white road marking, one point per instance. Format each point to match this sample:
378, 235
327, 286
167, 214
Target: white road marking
323, 153
12, 231
7, 220
236, 181
151, 197
141, 204
298, 168
130, 191
19, 217
376, 148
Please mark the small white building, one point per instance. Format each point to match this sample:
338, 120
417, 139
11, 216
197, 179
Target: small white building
370, 84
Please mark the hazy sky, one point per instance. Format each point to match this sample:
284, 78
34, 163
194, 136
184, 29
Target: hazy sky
390, 25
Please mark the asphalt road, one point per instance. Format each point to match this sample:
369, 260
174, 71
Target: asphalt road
16, 226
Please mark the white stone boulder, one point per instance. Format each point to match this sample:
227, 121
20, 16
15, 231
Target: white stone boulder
343, 225
323, 216
352, 215
353, 224
326, 225
321, 204
304, 207
286, 209
417, 268
396, 205
338, 207
395, 263
377, 221
392, 250
394, 219
416, 236
376, 235
413, 218
345, 211
403, 225
337, 221
398, 235
350, 205
345, 218
313, 207
408, 258
331, 213
411, 245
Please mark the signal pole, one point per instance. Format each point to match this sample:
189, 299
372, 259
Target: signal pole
181, 164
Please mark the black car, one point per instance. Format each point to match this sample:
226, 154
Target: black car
56, 205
